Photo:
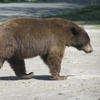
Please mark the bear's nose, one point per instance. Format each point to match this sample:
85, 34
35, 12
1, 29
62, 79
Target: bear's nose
88, 48
90, 51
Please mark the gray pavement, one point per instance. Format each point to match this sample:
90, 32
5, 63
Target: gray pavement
13, 10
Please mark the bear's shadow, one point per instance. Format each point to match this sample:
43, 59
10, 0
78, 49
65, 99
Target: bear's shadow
42, 77
9, 78
37, 77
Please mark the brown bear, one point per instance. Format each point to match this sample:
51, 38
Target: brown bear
22, 38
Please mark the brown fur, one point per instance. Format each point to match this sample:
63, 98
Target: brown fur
22, 38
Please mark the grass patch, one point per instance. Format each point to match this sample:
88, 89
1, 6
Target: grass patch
1, 22
87, 15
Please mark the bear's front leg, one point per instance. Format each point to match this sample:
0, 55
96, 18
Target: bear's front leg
1, 62
54, 63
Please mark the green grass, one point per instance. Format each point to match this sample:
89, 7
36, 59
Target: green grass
1, 22
87, 15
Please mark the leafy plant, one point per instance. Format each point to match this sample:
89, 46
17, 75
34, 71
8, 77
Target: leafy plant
88, 15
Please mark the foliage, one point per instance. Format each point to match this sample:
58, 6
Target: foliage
89, 14
40, 0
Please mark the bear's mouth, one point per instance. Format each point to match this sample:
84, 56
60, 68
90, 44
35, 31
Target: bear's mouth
86, 48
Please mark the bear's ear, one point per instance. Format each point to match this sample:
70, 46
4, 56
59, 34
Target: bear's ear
74, 31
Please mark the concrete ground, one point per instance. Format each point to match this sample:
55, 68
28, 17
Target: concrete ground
83, 72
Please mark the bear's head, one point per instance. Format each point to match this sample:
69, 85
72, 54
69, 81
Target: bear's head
82, 40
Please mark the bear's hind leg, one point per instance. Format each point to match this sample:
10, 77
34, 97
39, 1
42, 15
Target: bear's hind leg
19, 68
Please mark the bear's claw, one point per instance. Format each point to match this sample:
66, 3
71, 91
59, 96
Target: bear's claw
26, 76
60, 77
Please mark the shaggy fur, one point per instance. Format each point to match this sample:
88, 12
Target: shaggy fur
22, 38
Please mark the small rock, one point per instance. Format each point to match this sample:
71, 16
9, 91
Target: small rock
60, 94
36, 98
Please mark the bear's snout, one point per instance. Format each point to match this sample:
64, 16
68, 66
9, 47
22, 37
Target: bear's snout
88, 48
